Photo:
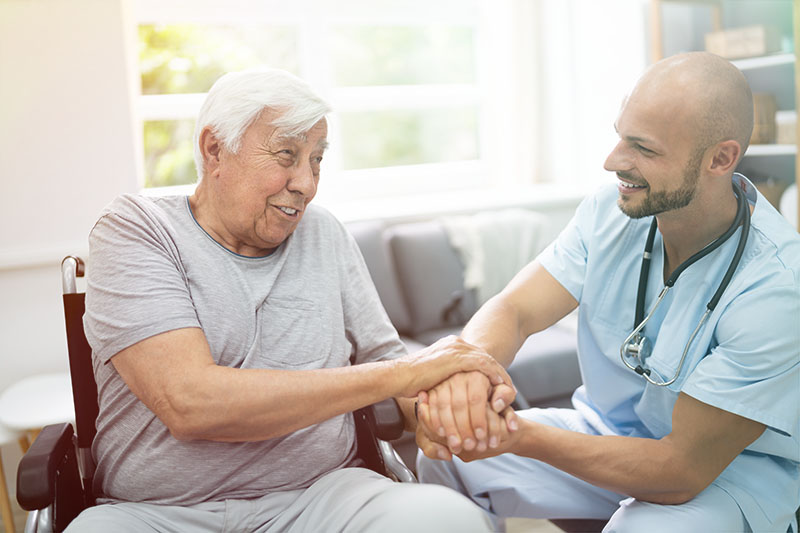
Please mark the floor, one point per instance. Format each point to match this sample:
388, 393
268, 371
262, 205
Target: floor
530, 525
19, 518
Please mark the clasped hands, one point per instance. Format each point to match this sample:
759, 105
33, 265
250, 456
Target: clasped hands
465, 415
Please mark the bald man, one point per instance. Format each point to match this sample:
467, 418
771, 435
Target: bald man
688, 416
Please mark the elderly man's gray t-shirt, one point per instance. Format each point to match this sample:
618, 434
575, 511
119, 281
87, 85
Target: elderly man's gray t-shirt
310, 304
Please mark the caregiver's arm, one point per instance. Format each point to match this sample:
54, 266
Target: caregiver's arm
671, 470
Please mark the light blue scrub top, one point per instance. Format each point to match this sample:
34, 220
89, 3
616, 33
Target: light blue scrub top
745, 359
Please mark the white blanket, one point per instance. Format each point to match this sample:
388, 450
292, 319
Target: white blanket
494, 246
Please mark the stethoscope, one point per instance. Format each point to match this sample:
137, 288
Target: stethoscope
637, 346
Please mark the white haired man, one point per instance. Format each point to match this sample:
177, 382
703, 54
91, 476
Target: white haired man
222, 327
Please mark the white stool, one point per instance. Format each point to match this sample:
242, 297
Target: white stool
6, 436
36, 401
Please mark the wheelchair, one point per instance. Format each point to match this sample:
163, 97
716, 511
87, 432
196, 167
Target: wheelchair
54, 478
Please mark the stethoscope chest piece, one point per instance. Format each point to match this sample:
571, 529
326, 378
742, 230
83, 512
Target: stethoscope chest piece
639, 347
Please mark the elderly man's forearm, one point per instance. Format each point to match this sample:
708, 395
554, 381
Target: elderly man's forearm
227, 404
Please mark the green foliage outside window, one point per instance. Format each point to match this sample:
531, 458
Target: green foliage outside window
401, 55
188, 58
169, 153
409, 137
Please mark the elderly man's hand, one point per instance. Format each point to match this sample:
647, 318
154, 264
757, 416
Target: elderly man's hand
436, 447
458, 411
427, 368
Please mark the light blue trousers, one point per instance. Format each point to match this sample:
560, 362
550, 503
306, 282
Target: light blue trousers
513, 486
351, 499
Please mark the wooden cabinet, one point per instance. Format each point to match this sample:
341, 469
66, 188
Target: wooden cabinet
681, 26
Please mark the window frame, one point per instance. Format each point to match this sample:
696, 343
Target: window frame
313, 19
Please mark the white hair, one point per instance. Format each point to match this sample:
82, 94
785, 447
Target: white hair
237, 99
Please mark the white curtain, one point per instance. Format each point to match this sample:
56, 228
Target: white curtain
571, 64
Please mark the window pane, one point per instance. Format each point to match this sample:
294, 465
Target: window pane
188, 58
390, 138
392, 55
168, 153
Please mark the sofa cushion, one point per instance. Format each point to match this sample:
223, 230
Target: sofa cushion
494, 245
546, 366
431, 276
412, 345
375, 249
432, 335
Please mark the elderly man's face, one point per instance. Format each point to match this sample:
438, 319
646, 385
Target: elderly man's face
655, 160
262, 190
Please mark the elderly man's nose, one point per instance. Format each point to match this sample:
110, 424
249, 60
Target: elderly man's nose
303, 180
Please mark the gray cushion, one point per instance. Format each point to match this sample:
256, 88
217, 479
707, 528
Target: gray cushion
433, 335
374, 248
431, 276
412, 345
419, 278
546, 366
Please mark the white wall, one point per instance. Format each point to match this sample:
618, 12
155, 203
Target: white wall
67, 147
591, 55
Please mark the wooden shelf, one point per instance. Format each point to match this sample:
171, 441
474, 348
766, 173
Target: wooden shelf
771, 149
771, 73
764, 61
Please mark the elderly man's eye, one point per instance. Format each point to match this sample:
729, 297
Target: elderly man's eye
285, 157
645, 151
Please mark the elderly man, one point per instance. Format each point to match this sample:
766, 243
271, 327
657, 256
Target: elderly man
688, 416
222, 327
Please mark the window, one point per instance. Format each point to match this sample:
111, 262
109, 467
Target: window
178, 63
404, 79
398, 70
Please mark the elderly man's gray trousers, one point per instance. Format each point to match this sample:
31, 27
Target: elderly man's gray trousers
351, 499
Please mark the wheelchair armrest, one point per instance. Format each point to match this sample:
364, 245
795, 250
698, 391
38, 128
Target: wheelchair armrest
37, 469
385, 419
48, 475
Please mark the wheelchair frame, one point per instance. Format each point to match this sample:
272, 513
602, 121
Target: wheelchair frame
54, 478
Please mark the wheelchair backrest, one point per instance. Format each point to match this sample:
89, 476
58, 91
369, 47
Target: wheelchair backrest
84, 388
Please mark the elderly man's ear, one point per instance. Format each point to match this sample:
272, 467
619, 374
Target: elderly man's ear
724, 157
210, 149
